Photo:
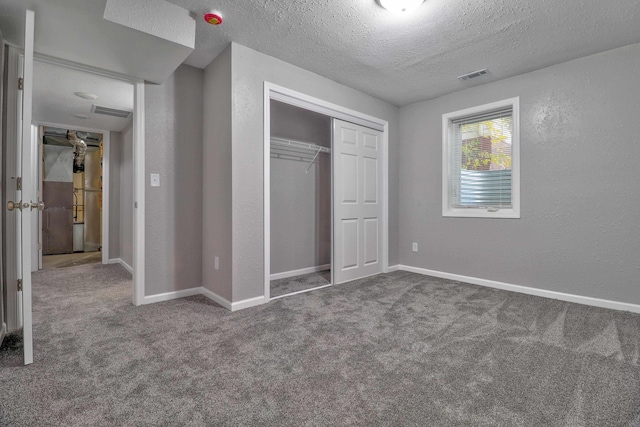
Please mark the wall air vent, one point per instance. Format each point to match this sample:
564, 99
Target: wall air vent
99, 109
473, 74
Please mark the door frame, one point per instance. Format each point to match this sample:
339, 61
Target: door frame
138, 167
298, 99
106, 150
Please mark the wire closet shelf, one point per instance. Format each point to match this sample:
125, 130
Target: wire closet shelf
291, 149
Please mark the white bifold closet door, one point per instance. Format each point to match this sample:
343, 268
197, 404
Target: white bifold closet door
357, 195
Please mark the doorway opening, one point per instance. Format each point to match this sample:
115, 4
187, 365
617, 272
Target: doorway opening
71, 184
300, 192
358, 234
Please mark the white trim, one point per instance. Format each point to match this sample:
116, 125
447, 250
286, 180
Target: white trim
393, 268
300, 272
122, 263
235, 306
301, 292
579, 299
138, 194
168, 296
247, 303
280, 93
266, 192
216, 298
447, 135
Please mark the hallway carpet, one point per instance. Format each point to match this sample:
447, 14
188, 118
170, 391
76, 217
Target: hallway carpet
396, 349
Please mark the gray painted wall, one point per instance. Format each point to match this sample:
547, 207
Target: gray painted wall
173, 138
578, 231
250, 69
217, 192
300, 201
126, 195
115, 153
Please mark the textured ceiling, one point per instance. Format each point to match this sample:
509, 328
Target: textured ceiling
398, 58
54, 100
404, 59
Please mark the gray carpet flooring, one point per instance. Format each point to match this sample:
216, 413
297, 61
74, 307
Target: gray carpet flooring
397, 349
300, 283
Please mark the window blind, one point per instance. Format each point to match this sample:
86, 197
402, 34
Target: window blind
482, 159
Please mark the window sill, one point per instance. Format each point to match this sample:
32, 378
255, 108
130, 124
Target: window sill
480, 213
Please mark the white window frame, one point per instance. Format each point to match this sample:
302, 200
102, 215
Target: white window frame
448, 210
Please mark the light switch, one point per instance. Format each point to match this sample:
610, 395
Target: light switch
155, 180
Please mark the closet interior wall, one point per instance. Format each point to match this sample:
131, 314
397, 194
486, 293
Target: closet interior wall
300, 191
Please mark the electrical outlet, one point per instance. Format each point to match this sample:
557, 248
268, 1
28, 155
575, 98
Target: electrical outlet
414, 247
216, 263
155, 180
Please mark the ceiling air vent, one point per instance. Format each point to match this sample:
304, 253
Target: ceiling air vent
99, 109
473, 74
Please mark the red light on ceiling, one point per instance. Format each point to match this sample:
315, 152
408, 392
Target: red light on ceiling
213, 18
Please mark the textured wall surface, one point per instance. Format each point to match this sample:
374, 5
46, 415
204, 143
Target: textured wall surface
250, 70
580, 202
115, 153
173, 138
300, 201
217, 190
126, 195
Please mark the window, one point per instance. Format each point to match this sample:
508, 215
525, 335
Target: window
481, 165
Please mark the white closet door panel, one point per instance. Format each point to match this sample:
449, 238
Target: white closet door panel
349, 181
371, 191
357, 201
350, 244
371, 241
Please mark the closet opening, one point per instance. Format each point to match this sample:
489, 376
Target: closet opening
301, 200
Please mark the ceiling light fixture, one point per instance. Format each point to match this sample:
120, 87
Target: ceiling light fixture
400, 5
81, 116
86, 95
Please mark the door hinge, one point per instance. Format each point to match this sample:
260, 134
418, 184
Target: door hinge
20, 285
20, 83
19, 183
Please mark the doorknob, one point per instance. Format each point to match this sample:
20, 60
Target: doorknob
38, 205
16, 205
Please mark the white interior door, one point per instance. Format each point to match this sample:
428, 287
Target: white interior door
357, 195
23, 203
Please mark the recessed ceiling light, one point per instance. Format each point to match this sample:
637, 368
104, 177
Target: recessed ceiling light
81, 116
400, 5
86, 95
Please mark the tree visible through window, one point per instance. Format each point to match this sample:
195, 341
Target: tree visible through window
480, 160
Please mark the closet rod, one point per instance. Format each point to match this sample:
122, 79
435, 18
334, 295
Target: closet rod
300, 144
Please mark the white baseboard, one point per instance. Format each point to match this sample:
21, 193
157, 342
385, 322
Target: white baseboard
216, 298
293, 273
596, 302
122, 263
393, 268
247, 303
232, 306
167, 296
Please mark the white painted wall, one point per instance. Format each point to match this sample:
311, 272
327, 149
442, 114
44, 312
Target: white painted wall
580, 203
173, 211
300, 200
250, 69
